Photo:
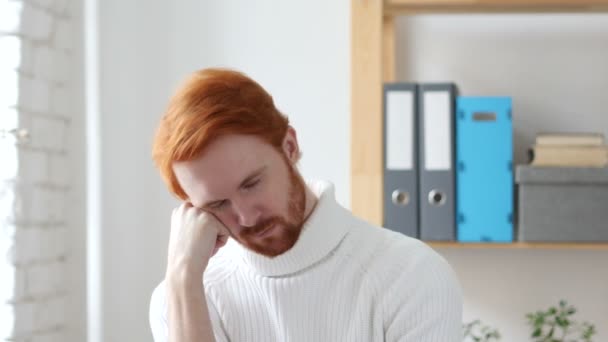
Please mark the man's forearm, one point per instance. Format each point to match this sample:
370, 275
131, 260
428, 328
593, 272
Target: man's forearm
187, 310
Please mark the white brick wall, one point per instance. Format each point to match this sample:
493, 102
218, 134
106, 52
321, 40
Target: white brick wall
60, 101
34, 94
29, 52
36, 43
45, 246
37, 24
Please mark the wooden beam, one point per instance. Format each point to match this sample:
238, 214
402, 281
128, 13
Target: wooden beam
366, 109
522, 245
388, 48
400, 7
531, 3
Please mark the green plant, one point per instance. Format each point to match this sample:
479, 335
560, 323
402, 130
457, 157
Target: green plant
478, 332
556, 325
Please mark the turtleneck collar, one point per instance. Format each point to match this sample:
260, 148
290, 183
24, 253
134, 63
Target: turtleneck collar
321, 233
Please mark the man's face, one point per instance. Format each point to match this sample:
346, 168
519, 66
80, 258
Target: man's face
251, 187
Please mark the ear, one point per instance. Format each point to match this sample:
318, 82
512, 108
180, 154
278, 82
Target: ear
290, 146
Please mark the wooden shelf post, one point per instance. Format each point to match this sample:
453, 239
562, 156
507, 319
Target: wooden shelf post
372, 63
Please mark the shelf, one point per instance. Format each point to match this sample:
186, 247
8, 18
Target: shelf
373, 62
523, 245
396, 7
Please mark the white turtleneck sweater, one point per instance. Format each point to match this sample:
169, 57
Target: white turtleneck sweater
344, 280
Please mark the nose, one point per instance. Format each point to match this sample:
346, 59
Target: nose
246, 214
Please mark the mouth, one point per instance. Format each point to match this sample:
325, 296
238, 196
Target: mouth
266, 231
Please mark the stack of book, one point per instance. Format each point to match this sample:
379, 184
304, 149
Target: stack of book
569, 150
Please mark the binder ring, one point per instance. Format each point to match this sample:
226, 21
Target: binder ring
437, 197
400, 197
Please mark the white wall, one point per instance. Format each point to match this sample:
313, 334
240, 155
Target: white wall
556, 69
44, 226
76, 203
300, 52
134, 207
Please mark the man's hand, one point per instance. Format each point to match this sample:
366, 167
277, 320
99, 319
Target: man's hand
195, 237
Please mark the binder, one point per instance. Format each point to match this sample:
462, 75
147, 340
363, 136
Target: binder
485, 169
436, 161
400, 158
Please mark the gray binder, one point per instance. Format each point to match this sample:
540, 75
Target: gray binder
437, 175
400, 158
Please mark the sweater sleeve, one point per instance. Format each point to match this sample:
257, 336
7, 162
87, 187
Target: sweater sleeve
158, 317
158, 314
423, 303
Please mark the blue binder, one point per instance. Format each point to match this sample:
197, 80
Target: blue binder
484, 175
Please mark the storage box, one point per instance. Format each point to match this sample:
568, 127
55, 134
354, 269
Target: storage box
562, 204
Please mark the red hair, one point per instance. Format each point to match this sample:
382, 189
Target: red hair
210, 104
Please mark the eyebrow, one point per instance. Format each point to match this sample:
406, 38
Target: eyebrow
248, 179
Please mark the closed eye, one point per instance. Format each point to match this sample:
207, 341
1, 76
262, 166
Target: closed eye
218, 205
251, 185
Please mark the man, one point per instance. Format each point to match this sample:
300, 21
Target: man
257, 254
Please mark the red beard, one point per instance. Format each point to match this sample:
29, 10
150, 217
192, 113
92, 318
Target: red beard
287, 230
